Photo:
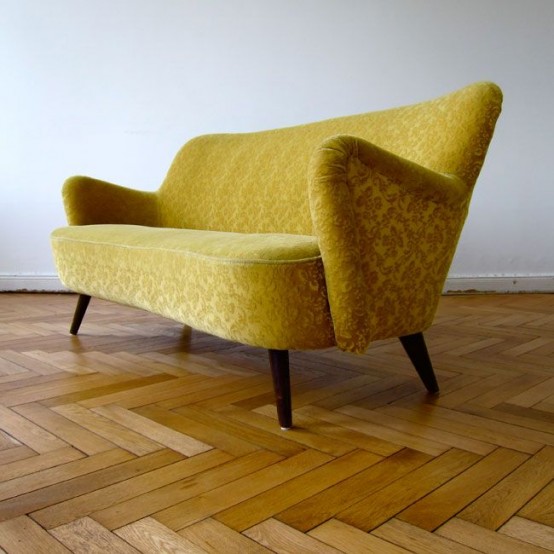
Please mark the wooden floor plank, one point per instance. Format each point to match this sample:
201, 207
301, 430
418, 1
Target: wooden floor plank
281, 538
113, 385
248, 513
22, 535
14, 488
390, 500
216, 390
117, 493
485, 540
26, 432
118, 434
541, 431
221, 498
148, 535
374, 424
14, 363
261, 430
529, 531
160, 434
86, 535
142, 435
172, 495
351, 539
14, 453
494, 432
214, 537
33, 464
65, 429
347, 429
82, 484
51, 386
330, 446
541, 508
416, 424
216, 437
535, 394
147, 393
446, 501
511, 493
324, 505
418, 540
515, 386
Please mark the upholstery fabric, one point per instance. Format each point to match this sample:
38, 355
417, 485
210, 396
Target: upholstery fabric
387, 230
89, 201
336, 232
257, 182
265, 290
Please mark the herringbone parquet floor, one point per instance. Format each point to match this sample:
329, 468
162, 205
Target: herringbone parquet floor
139, 436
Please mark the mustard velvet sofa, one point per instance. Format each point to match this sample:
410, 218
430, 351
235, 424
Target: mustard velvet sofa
335, 233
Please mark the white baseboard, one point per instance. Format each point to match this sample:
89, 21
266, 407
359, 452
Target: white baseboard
527, 283
31, 283
453, 285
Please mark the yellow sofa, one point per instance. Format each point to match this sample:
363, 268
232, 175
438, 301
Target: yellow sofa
339, 232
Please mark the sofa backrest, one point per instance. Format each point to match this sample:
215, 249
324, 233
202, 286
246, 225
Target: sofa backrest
258, 182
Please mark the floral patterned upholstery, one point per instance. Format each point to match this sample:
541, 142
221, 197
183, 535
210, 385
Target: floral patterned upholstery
332, 233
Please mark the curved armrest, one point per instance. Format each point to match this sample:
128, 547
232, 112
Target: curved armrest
413, 178
89, 201
387, 230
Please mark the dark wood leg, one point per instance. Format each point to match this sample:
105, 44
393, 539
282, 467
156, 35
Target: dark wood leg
82, 305
279, 362
415, 347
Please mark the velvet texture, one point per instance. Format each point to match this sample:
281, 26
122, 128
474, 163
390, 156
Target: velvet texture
337, 232
263, 290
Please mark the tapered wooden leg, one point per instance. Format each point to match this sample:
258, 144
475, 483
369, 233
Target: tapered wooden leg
82, 305
279, 362
415, 347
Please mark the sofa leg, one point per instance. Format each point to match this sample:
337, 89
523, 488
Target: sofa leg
82, 305
279, 362
415, 347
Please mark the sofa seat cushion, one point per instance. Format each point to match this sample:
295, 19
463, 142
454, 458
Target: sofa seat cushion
265, 290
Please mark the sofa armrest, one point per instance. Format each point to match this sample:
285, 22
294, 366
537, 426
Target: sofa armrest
89, 201
387, 230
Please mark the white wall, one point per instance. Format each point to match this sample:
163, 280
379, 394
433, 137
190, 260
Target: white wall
112, 88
